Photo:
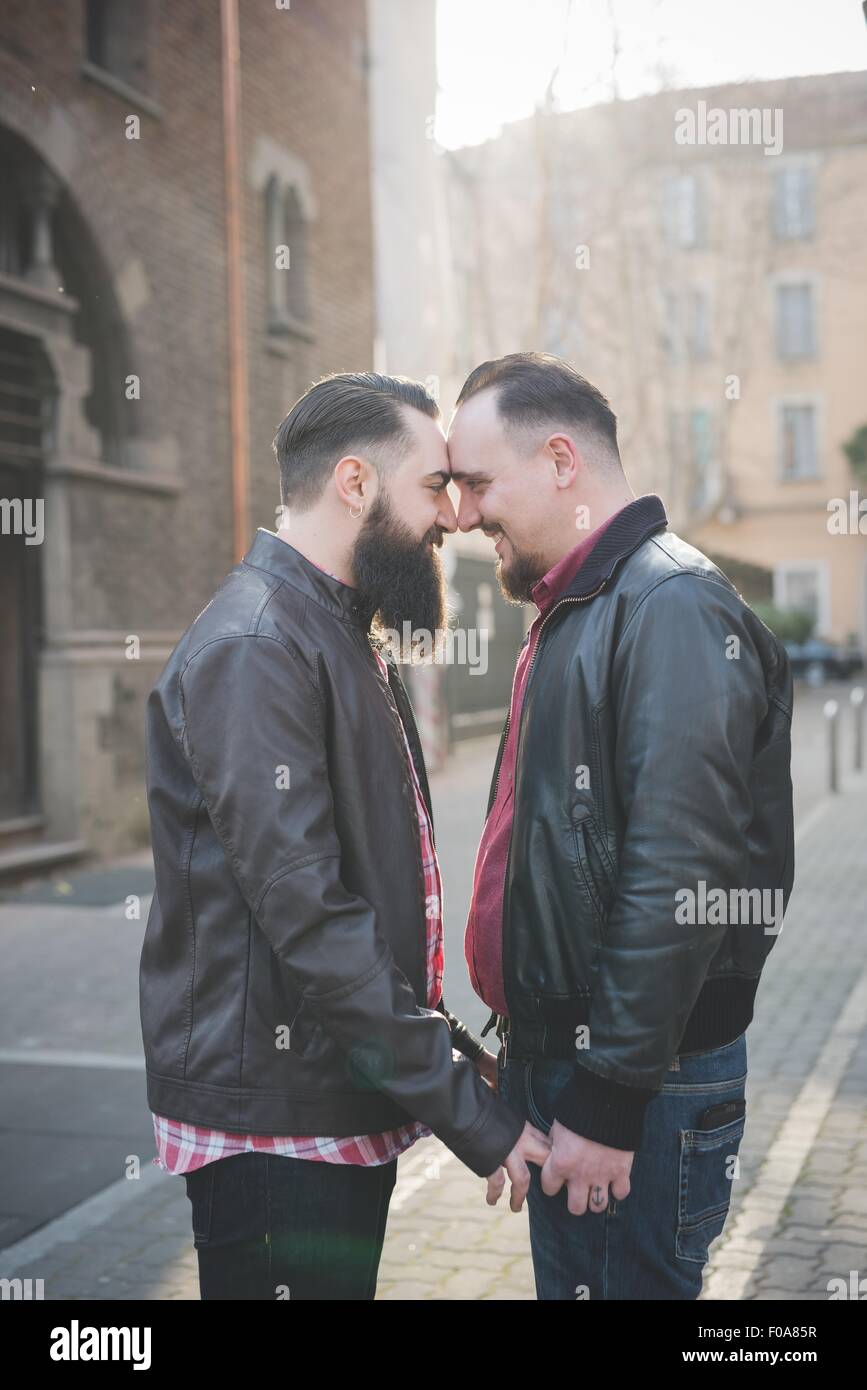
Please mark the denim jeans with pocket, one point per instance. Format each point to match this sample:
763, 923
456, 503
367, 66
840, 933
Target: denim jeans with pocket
653, 1244
267, 1226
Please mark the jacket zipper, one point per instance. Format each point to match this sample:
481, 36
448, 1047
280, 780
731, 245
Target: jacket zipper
413, 735
370, 654
583, 598
561, 604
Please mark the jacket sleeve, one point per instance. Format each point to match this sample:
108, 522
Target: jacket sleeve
686, 709
254, 733
463, 1038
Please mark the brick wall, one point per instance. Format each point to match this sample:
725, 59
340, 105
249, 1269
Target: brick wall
144, 226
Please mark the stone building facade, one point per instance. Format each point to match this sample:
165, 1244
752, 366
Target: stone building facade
114, 354
716, 290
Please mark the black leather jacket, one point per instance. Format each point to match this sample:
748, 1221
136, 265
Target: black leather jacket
289, 881
654, 753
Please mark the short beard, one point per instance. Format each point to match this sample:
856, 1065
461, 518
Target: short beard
400, 579
518, 579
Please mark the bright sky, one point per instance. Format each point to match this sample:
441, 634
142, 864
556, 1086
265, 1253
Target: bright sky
496, 57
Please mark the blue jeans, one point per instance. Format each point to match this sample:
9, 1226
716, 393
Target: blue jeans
271, 1227
653, 1244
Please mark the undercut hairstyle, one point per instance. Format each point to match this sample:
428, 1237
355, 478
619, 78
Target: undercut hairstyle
537, 391
343, 414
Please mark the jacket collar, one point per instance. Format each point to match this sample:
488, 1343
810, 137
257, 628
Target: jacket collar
271, 553
629, 529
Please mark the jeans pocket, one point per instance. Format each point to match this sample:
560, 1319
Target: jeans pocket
533, 1113
200, 1190
707, 1170
544, 1080
231, 1202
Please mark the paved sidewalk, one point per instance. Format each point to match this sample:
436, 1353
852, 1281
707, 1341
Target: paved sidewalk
799, 1213
799, 1208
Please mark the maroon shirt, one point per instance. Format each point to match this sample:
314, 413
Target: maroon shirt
483, 942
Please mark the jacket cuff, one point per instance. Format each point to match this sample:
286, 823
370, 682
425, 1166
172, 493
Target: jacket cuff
488, 1145
602, 1110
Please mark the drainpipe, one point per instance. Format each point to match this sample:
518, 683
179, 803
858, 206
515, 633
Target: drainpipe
238, 406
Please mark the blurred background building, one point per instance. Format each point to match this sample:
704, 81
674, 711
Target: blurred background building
418, 323
717, 295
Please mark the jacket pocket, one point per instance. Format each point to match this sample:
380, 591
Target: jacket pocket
594, 863
304, 1032
705, 1188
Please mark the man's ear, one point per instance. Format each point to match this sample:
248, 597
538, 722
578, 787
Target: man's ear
353, 479
564, 459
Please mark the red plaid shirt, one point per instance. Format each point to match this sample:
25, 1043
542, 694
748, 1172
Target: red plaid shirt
182, 1147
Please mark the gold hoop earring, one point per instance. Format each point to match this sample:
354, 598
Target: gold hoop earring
356, 515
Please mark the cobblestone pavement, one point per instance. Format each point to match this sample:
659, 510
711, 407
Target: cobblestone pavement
799, 1209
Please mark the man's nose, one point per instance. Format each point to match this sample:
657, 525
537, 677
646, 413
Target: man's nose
446, 519
469, 516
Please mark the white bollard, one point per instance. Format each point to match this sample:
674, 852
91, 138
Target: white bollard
831, 711
856, 697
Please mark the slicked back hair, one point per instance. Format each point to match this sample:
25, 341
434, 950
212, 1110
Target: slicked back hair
339, 415
535, 390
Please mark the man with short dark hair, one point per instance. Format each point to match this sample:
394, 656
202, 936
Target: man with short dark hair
641, 796
291, 975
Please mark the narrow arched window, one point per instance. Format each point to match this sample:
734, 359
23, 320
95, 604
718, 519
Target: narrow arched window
286, 236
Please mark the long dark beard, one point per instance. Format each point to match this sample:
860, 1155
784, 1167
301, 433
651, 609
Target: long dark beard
399, 578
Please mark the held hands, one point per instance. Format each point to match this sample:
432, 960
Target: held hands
588, 1169
532, 1147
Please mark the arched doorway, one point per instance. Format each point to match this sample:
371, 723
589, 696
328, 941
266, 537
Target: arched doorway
63, 358
26, 412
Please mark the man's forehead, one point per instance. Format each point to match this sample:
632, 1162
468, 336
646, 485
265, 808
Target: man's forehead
475, 440
481, 408
453, 452
427, 432
426, 428
428, 454
477, 420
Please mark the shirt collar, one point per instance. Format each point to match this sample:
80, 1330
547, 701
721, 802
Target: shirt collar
629, 529
560, 576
